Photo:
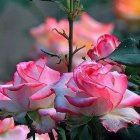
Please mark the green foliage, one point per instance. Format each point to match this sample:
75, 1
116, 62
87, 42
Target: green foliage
82, 128
131, 133
128, 53
61, 133
74, 122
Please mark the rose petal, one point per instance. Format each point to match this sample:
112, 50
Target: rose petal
15, 133
130, 99
42, 93
81, 102
9, 106
44, 125
72, 85
42, 103
20, 94
57, 116
6, 124
119, 118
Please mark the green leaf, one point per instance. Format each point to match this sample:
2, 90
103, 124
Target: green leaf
132, 133
132, 70
81, 133
133, 86
135, 79
74, 122
61, 133
128, 53
85, 135
33, 115
74, 133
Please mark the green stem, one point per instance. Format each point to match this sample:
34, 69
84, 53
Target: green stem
70, 44
70, 37
71, 5
29, 123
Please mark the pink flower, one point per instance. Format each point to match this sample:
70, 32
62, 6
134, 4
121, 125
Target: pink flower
30, 90
8, 130
86, 32
94, 89
106, 44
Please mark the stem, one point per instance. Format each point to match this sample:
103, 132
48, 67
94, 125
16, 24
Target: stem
29, 123
70, 37
70, 45
33, 135
51, 135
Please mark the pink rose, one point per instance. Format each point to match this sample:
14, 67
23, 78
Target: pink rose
94, 89
8, 130
86, 32
30, 90
106, 44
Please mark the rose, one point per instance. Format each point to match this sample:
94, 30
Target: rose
8, 130
90, 31
30, 91
94, 90
106, 44
86, 32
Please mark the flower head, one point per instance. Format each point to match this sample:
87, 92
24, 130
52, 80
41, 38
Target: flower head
30, 91
94, 89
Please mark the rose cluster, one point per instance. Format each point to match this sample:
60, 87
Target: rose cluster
95, 88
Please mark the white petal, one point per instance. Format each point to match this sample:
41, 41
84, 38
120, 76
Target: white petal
119, 118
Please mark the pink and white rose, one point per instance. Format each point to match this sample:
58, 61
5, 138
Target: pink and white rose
94, 89
30, 91
105, 45
8, 130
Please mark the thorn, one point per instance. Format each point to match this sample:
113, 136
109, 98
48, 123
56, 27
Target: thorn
66, 57
53, 55
50, 53
62, 34
84, 58
78, 49
59, 61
